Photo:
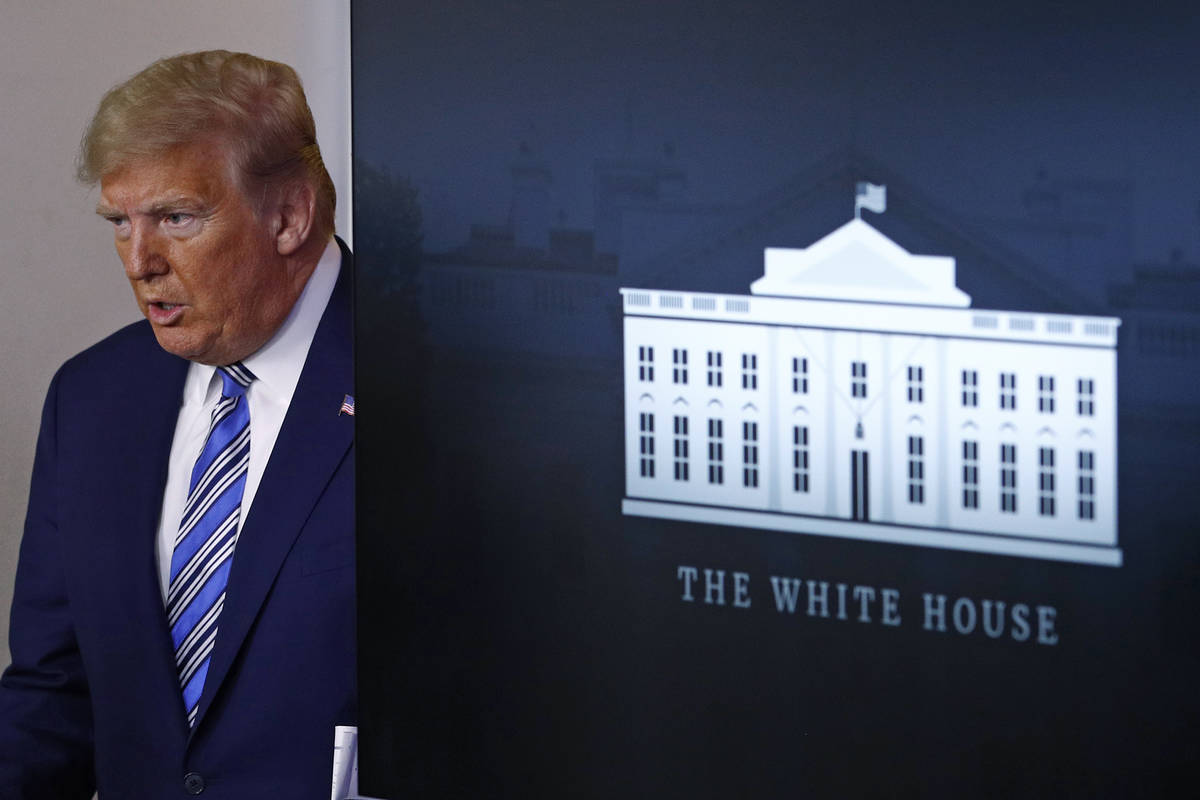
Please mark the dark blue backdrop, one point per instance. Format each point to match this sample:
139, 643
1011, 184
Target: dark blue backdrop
515, 163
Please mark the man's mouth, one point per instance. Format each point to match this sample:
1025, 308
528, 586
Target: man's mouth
162, 312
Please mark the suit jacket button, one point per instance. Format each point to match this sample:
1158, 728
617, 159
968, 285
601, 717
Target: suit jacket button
193, 783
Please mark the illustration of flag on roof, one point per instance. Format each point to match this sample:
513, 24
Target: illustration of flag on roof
871, 197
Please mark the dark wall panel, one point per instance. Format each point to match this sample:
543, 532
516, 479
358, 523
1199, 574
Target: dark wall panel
526, 631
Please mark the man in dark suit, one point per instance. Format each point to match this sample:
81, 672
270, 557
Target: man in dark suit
183, 615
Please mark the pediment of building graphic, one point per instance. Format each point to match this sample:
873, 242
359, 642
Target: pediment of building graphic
725, 253
857, 262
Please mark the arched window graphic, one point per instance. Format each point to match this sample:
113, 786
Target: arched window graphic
646, 443
646, 435
915, 450
969, 455
1047, 457
680, 447
801, 452
1085, 475
1008, 468
715, 441
750, 446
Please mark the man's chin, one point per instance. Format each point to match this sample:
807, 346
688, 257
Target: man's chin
179, 343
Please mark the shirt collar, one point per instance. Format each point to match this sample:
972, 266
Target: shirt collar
278, 363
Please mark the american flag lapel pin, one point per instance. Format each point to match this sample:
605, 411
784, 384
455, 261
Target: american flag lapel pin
347, 405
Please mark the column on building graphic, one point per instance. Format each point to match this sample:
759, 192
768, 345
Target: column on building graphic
856, 384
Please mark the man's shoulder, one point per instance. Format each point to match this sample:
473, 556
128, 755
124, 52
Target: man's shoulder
132, 349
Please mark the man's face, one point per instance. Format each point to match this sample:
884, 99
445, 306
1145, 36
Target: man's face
201, 259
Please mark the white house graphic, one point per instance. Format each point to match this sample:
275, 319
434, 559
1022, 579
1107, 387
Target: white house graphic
854, 393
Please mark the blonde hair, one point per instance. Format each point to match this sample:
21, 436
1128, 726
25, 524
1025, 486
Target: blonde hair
254, 107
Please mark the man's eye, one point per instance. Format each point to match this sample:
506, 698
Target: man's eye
178, 218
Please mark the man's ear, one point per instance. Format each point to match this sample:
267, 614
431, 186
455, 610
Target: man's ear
295, 216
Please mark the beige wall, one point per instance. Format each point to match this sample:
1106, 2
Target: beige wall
61, 285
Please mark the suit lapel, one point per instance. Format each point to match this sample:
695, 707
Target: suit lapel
133, 480
312, 442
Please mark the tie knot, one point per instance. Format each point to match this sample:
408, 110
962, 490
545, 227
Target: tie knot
234, 379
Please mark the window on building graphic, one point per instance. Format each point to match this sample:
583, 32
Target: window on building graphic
645, 363
1046, 481
750, 454
970, 473
916, 384
714, 368
800, 458
1008, 391
646, 443
1046, 394
749, 371
1087, 484
970, 388
800, 375
916, 469
1085, 404
679, 366
858, 379
681, 448
1008, 478
716, 451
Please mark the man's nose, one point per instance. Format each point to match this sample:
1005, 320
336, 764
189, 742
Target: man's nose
143, 254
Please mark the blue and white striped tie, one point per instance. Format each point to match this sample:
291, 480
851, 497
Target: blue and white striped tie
207, 534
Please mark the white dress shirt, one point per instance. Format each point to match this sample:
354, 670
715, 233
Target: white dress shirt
276, 367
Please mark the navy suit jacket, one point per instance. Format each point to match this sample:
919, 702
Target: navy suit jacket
92, 696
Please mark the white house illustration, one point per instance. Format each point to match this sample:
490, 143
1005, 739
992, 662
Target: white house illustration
856, 394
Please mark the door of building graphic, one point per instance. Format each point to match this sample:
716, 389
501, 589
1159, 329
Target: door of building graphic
859, 491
